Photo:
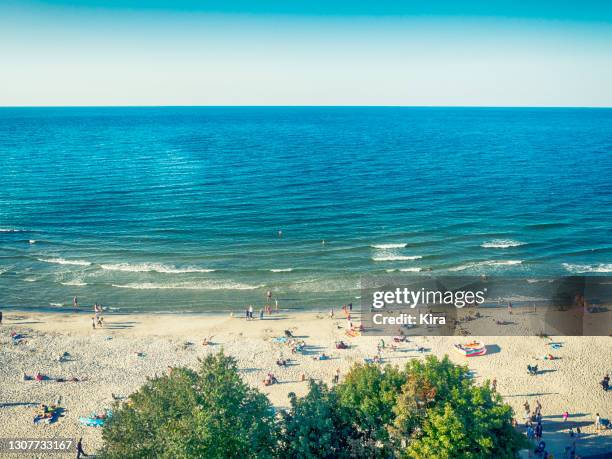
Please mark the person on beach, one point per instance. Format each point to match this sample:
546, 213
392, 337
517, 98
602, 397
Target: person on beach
276, 304
509, 308
75, 302
261, 314
538, 431
597, 422
538, 408
565, 415
269, 295
337, 376
0, 317
93, 322
605, 382
250, 315
79, 447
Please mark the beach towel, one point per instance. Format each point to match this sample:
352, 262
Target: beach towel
92, 422
280, 339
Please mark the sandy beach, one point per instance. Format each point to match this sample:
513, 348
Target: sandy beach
118, 358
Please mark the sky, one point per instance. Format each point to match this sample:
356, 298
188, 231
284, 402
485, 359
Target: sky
283, 52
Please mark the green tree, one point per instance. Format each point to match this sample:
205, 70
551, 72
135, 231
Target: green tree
210, 413
440, 413
368, 394
316, 426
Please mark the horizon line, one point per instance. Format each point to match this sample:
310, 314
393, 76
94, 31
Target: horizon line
308, 106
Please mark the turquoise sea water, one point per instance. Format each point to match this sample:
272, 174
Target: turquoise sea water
178, 209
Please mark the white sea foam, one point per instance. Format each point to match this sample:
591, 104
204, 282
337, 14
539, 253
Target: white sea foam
490, 263
30, 279
598, 268
410, 270
57, 305
389, 246
9, 230
32, 241
501, 244
204, 285
62, 261
153, 267
281, 270
396, 257
75, 283
324, 285
3, 270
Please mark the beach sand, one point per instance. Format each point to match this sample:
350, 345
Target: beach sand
107, 358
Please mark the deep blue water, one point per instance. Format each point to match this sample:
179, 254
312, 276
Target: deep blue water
180, 208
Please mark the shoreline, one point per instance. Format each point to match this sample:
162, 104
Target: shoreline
106, 361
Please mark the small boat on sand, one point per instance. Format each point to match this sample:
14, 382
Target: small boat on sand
471, 349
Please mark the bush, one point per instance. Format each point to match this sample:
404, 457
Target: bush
368, 394
430, 409
316, 425
210, 413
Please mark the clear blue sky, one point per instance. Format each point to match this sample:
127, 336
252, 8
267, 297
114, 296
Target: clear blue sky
273, 52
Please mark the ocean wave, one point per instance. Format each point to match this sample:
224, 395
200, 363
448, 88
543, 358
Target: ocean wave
208, 285
388, 246
57, 305
396, 257
10, 230
153, 267
75, 283
30, 279
501, 244
490, 263
281, 270
598, 268
324, 285
62, 261
32, 241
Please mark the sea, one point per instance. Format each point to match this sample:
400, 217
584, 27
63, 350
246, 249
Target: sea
189, 209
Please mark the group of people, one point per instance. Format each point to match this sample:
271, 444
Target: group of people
270, 379
267, 309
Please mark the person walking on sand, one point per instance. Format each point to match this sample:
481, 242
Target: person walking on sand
509, 308
605, 382
538, 431
93, 322
79, 448
75, 302
251, 311
597, 422
494, 385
